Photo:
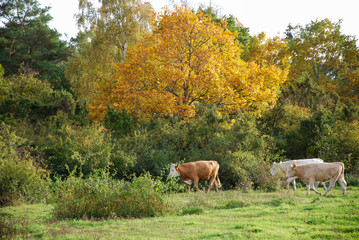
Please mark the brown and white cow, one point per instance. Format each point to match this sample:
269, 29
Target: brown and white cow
319, 172
193, 172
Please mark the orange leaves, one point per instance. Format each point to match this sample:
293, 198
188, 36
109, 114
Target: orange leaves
189, 60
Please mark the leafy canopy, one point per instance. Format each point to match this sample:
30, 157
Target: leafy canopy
324, 57
110, 28
188, 61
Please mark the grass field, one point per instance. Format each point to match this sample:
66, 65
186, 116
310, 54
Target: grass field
224, 215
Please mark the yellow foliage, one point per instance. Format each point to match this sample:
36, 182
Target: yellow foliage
188, 60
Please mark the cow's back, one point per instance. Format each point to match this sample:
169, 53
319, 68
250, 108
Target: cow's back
201, 169
321, 172
287, 164
307, 161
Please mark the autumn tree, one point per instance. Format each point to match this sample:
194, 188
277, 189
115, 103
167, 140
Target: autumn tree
243, 37
188, 61
108, 28
323, 59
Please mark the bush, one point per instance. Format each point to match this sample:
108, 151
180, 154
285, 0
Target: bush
61, 142
100, 196
167, 184
118, 122
340, 143
21, 178
24, 96
352, 179
245, 171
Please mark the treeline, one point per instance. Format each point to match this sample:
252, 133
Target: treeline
103, 101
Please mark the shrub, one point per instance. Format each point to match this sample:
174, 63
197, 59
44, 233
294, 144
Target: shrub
340, 143
118, 122
100, 196
62, 142
141, 198
167, 184
352, 179
24, 96
21, 178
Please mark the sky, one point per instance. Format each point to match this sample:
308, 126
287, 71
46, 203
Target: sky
269, 16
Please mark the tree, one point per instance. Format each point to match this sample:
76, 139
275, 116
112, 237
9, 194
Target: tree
324, 58
108, 31
28, 44
188, 61
233, 24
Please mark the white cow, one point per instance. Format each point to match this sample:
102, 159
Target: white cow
285, 166
319, 172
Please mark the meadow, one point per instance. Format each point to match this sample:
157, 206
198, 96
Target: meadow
231, 214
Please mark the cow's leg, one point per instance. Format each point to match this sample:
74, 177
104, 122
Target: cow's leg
312, 183
289, 180
211, 181
342, 183
331, 185
195, 181
294, 184
325, 187
217, 183
188, 186
308, 189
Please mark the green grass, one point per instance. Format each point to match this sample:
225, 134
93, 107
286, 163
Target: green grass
224, 215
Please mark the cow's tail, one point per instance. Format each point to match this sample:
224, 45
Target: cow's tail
342, 173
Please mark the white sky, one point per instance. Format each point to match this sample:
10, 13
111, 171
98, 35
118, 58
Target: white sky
269, 16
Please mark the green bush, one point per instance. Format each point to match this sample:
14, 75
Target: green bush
340, 143
151, 148
352, 179
61, 142
118, 122
21, 177
244, 170
100, 196
167, 184
24, 96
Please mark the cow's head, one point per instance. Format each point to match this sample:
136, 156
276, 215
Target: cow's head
274, 169
290, 171
173, 170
